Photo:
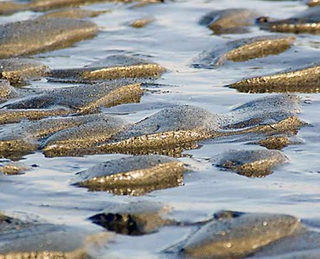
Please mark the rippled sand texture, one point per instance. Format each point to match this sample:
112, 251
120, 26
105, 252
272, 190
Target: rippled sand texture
159, 129
134, 176
42, 35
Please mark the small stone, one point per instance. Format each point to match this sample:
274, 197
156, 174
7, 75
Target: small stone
301, 80
168, 128
29, 135
284, 123
135, 218
174, 129
71, 100
229, 20
132, 175
17, 115
242, 235
250, 163
39, 35
45, 5
243, 50
261, 118
7, 91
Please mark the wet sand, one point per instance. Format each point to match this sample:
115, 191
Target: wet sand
233, 154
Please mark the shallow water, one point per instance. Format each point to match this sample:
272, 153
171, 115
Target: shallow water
173, 40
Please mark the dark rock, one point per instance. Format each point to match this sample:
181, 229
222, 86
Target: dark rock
34, 36
250, 163
133, 175
229, 20
302, 80
227, 214
136, 218
307, 21
243, 50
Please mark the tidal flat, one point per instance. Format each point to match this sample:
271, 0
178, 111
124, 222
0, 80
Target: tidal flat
159, 129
